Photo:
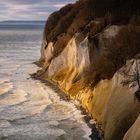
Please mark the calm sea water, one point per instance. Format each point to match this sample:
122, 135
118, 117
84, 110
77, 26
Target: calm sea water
30, 110
17, 41
19, 44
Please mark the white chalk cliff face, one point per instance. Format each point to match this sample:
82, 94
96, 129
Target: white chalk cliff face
73, 59
86, 58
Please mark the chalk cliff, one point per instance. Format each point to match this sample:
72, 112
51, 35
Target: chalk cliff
91, 50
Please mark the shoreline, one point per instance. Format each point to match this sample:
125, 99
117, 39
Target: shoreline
96, 133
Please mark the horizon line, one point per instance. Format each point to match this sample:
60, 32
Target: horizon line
22, 20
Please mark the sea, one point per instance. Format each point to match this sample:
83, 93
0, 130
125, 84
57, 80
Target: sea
30, 109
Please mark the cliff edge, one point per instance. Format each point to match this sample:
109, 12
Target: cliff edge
91, 50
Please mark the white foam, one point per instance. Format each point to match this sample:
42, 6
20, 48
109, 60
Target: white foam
27, 106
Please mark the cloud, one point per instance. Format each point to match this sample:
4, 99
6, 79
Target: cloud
29, 9
59, 5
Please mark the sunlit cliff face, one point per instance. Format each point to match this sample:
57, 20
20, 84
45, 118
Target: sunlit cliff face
84, 47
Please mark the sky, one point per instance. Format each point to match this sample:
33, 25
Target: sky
29, 9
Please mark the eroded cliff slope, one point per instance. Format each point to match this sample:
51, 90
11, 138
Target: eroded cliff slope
90, 49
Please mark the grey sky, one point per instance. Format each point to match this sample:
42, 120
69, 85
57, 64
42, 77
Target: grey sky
29, 9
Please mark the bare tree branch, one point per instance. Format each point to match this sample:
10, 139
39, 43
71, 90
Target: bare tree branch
132, 76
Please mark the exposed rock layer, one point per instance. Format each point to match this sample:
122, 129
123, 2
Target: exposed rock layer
84, 47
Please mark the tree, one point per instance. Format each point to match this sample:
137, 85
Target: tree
132, 77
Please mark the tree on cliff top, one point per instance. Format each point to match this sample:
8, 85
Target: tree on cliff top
132, 75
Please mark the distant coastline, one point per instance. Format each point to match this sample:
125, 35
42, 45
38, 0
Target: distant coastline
22, 22
12, 24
